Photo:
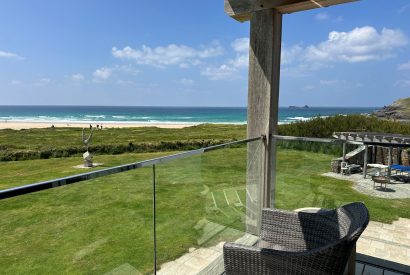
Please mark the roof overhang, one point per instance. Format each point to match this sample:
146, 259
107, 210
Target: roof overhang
373, 137
241, 10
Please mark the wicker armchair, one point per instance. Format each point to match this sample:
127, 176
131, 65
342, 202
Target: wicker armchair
300, 242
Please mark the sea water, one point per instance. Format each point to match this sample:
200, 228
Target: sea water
162, 115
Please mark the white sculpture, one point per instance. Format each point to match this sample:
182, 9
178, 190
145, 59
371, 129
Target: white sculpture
87, 156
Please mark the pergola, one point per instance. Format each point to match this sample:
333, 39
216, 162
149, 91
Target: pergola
373, 139
265, 18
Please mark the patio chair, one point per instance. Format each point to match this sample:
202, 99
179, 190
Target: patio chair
344, 167
300, 242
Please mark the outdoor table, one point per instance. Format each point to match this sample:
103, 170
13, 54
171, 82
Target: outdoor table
379, 167
376, 165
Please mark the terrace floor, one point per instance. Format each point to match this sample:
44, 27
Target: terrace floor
390, 242
394, 190
382, 249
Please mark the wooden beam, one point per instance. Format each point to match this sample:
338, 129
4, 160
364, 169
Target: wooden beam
263, 101
309, 5
241, 10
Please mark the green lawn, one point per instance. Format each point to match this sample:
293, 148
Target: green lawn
96, 226
71, 137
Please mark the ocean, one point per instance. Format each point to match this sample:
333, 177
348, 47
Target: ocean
161, 115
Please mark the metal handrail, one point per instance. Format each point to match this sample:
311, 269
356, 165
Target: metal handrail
312, 139
35, 187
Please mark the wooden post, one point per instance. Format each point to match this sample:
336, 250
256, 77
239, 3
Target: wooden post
389, 159
344, 152
366, 152
263, 101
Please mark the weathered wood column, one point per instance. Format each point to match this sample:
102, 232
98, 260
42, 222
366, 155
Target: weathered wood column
263, 92
263, 100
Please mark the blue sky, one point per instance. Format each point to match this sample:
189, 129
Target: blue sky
190, 53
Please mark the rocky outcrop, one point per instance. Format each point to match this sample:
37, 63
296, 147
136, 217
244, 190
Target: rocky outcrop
399, 110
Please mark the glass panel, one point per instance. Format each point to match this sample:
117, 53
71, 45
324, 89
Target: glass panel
201, 203
301, 175
308, 175
92, 227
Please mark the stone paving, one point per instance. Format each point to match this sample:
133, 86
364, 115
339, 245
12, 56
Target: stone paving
387, 241
384, 241
394, 190
205, 260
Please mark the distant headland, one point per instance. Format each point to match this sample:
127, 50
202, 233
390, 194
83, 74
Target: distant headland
398, 110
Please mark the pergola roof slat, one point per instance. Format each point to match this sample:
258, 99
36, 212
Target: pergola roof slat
372, 137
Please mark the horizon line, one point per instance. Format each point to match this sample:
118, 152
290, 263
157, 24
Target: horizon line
174, 106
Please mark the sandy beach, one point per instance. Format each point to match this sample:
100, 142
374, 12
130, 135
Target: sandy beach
30, 125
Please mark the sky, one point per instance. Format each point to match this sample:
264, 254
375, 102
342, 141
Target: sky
190, 53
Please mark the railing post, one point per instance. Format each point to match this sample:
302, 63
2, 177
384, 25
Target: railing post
344, 152
389, 161
366, 149
154, 210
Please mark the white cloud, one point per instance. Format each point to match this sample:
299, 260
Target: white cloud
126, 69
403, 9
125, 82
241, 45
322, 16
45, 80
404, 83
4, 54
331, 82
358, 45
308, 87
186, 81
172, 54
291, 54
405, 66
42, 81
231, 66
77, 77
224, 71
102, 74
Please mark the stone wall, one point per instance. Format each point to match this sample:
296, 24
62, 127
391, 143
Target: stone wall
405, 156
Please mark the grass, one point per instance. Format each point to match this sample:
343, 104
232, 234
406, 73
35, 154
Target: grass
71, 137
16, 173
65, 142
102, 224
